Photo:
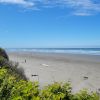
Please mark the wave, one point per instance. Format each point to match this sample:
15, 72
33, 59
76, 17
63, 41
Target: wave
89, 51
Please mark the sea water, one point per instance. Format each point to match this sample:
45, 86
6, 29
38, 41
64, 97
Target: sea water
88, 51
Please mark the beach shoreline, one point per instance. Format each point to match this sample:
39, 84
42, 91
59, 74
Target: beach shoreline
83, 71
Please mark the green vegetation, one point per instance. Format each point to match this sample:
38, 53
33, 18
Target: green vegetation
14, 86
3, 54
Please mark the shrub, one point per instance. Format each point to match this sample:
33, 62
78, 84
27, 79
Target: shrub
85, 95
5, 84
17, 71
2, 61
11, 88
56, 91
24, 90
3, 54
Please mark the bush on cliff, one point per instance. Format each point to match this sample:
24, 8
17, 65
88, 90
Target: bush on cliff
4, 54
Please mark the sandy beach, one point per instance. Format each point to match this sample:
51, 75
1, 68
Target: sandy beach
83, 71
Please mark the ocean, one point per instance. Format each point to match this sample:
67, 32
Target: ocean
87, 51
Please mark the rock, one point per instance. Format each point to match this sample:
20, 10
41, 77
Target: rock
85, 77
35, 75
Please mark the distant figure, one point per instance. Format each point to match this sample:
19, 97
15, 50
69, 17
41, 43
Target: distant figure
25, 60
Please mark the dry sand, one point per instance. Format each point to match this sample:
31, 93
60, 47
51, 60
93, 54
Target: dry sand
83, 71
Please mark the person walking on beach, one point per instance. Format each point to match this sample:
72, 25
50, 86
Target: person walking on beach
25, 60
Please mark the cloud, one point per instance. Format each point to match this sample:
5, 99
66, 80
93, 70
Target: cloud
80, 7
82, 14
18, 2
77, 7
84, 7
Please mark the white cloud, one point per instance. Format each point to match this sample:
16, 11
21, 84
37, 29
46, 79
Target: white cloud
81, 7
82, 14
18, 2
78, 7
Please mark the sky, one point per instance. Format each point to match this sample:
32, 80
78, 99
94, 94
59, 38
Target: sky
49, 23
